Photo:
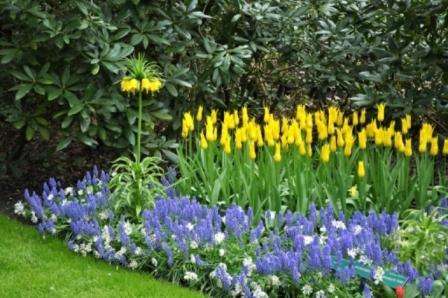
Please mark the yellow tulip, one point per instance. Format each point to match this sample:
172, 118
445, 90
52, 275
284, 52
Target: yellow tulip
325, 153
355, 120
434, 146
362, 139
199, 113
445, 147
362, 119
333, 144
361, 169
381, 108
203, 142
252, 153
277, 154
408, 148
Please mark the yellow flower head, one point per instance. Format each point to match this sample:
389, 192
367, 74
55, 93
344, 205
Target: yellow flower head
199, 113
325, 153
277, 154
445, 147
434, 146
203, 142
353, 191
362, 119
381, 108
129, 85
252, 153
361, 169
408, 148
355, 119
362, 139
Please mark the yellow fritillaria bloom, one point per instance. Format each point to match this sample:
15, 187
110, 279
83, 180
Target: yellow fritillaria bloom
381, 108
129, 85
361, 169
333, 144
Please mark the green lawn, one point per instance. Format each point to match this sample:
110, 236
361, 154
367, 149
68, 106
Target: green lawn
31, 266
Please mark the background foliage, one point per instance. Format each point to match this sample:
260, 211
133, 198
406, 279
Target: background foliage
61, 60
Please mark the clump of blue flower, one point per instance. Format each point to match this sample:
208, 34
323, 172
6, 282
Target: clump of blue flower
224, 251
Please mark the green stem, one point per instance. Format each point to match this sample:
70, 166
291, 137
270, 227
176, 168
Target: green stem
139, 129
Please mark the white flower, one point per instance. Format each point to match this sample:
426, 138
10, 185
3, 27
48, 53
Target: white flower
378, 275
219, 237
365, 260
320, 294
222, 252
338, 224
193, 244
133, 264
258, 293
331, 288
34, 218
190, 276
154, 262
103, 215
127, 228
223, 219
190, 226
357, 229
121, 252
80, 192
68, 191
274, 280
308, 239
193, 259
53, 217
138, 251
76, 248
352, 252
249, 264
19, 209
96, 254
237, 291
50, 197
307, 290
323, 230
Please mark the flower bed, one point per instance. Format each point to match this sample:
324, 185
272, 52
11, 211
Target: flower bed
225, 251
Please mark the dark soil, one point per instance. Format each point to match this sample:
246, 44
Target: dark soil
29, 164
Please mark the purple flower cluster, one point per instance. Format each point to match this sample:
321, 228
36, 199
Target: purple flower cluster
177, 229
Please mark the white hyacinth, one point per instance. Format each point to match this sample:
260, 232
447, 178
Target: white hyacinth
274, 280
307, 289
127, 228
193, 244
190, 276
308, 239
19, 209
320, 294
190, 226
133, 264
357, 229
222, 252
331, 288
34, 218
154, 262
378, 275
338, 224
219, 237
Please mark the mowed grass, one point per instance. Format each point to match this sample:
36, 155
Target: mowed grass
31, 266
